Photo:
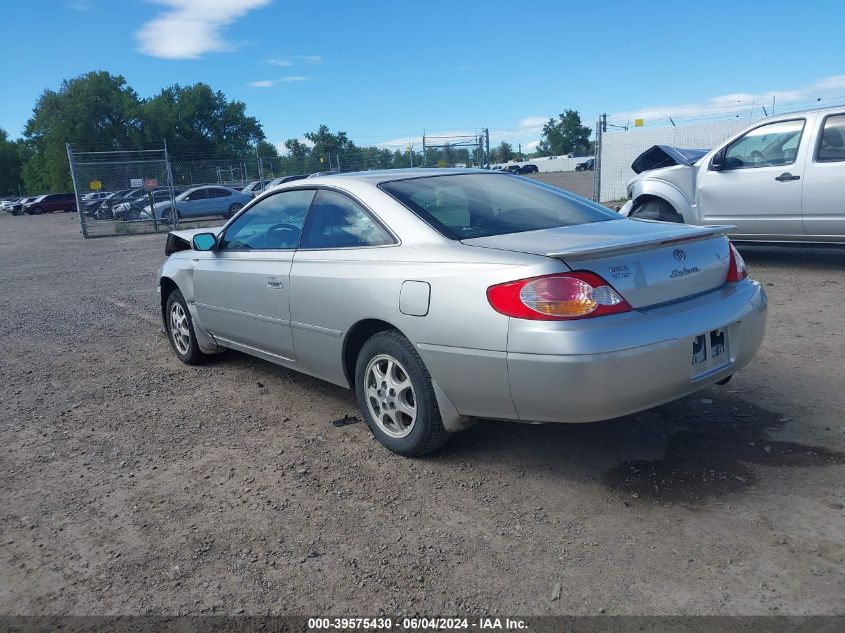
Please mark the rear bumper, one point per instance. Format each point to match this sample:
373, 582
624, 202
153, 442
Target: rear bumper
598, 369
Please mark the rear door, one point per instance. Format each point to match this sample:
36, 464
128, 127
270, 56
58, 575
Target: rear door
824, 180
759, 189
242, 289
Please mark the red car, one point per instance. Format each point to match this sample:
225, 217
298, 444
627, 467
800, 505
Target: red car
51, 202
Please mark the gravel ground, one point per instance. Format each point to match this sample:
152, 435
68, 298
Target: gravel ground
578, 182
130, 483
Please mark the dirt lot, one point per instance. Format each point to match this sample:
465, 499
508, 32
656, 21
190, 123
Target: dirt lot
579, 182
130, 483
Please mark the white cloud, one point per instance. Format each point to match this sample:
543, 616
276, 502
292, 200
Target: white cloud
825, 88
311, 59
276, 61
267, 83
79, 5
187, 29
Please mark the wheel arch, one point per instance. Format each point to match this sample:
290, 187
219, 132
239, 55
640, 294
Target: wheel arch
355, 339
668, 193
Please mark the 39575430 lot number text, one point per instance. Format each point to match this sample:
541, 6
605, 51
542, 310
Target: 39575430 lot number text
413, 624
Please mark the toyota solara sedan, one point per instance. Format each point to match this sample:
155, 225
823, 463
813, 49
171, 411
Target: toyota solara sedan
443, 296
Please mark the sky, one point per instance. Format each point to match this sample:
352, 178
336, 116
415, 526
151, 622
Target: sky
384, 71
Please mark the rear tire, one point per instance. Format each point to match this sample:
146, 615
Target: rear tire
180, 330
233, 209
395, 395
655, 209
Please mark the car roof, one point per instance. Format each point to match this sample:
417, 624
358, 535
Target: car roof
379, 176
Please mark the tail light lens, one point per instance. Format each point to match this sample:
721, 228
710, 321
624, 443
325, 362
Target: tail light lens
737, 271
559, 297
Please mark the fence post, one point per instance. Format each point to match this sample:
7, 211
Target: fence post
170, 189
79, 208
260, 169
597, 160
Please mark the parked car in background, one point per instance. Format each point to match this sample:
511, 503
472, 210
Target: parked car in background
587, 165
782, 179
51, 202
317, 174
443, 295
94, 197
513, 169
16, 208
255, 187
103, 210
529, 169
283, 179
202, 201
133, 207
8, 203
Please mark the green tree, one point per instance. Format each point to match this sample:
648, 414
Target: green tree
198, 120
504, 152
96, 110
564, 135
10, 165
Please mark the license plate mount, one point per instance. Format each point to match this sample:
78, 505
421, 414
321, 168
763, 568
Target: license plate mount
710, 352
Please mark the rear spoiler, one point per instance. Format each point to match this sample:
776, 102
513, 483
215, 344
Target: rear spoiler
603, 250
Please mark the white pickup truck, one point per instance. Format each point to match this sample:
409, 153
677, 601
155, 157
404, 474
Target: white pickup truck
780, 180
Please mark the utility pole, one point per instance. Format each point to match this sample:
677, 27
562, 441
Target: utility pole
425, 162
487, 144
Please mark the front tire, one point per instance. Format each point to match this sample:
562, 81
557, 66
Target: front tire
655, 209
395, 395
180, 330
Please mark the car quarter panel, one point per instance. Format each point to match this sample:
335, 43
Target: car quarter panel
459, 336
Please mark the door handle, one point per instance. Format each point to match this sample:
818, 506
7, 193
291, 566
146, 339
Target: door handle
275, 282
786, 177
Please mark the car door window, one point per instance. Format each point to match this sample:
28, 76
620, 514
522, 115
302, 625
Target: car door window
273, 223
336, 221
218, 193
832, 141
775, 144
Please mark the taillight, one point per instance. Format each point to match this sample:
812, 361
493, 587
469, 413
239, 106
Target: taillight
737, 271
558, 297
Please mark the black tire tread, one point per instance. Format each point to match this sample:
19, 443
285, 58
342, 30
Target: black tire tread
195, 355
436, 433
656, 210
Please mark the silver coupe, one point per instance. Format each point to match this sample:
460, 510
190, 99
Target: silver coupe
443, 296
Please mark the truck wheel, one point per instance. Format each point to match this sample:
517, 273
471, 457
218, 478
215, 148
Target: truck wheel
656, 210
396, 397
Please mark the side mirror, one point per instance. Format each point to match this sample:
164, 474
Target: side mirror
204, 242
717, 163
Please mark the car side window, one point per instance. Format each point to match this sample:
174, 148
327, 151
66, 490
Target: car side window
832, 142
273, 223
774, 144
199, 194
219, 193
336, 221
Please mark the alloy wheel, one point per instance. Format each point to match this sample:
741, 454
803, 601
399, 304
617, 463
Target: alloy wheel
179, 330
390, 396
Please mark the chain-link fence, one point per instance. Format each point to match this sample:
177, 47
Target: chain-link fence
117, 191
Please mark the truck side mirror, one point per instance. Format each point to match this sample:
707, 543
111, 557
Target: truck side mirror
717, 163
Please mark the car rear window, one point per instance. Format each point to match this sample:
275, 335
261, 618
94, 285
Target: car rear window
464, 206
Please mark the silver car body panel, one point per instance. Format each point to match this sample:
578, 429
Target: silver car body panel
763, 209
297, 308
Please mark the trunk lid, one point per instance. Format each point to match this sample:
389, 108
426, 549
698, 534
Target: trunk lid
647, 262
